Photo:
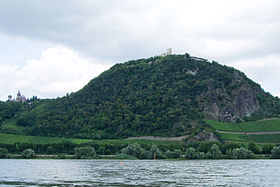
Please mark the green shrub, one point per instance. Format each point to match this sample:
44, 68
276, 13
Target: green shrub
200, 155
168, 154
266, 149
134, 150
242, 153
50, 150
254, 148
214, 153
28, 154
155, 153
275, 152
204, 147
176, 153
191, 153
228, 153
3, 153
125, 156
85, 152
230, 145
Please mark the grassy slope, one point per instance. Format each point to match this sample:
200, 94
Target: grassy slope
252, 126
224, 126
12, 138
256, 126
10, 127
268, 138
265, 138
234, 137
262, 126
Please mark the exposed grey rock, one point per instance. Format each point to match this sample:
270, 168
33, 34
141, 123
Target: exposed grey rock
202, 136
229, 104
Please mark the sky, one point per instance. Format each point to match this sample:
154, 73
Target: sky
49, 48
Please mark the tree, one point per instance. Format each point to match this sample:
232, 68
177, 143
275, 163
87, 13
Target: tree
275, 152
176, 153
191, 153
242, 153
125, 156
155, 153
24, 120
267, 148
50, 149
109, 149
85, 152
134, 150
204, 147
200, 155
28, 154
228, 153
230, 145
101, 150
168, 154
3, 153
254, 148
215, 152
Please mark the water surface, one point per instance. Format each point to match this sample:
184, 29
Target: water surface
139, 173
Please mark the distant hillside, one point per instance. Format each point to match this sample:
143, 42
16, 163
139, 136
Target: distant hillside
161, 96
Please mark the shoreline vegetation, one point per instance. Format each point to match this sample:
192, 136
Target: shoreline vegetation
115, 157
140, 149
236, 141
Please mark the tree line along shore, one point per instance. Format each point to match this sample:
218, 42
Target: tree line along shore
139, 149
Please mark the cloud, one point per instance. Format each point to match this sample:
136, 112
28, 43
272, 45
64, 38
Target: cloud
59, 70
112, 31
263, 71
131, 29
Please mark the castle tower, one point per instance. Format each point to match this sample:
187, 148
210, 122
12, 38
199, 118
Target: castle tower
23, 99
18, 98
169, 51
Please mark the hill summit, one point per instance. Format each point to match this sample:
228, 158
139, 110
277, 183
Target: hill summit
162, 96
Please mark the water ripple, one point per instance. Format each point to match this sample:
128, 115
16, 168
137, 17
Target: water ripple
139, 173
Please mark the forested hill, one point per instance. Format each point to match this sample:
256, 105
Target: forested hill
162, 96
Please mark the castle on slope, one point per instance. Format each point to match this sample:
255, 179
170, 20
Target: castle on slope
19, 98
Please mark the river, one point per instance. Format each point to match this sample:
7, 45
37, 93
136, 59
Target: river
139, 173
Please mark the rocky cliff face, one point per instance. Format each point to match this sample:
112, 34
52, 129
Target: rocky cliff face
233, 103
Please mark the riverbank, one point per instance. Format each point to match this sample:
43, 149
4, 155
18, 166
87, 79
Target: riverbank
140, 149
115, 157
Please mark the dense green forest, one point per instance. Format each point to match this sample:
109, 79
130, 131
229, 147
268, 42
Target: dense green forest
8, 110
161, 96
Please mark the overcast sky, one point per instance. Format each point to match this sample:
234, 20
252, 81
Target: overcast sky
49, 48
